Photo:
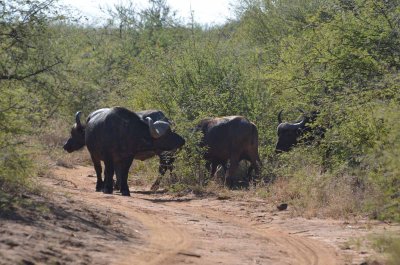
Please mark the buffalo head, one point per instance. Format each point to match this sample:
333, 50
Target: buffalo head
77, 139
164, 138
289, 133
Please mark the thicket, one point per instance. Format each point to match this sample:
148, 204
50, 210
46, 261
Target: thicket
339, 57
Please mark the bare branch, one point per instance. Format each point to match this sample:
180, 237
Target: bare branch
17, 77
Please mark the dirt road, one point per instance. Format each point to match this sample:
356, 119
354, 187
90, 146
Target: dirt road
159, 229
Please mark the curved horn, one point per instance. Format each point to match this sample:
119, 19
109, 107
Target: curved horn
301, 123
153, 131
158, 128
78, 118
280, 116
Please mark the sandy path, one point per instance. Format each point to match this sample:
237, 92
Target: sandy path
209, 231
163, 239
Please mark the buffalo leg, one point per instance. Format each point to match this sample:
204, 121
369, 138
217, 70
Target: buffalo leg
213, 169
253, 167
234, 163
170, 164
156, 184
255, 164
97, 167
224, 166
122, 170
166, 163
108, 176
249, 175
162, 169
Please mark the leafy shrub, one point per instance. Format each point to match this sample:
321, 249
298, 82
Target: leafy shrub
15, 167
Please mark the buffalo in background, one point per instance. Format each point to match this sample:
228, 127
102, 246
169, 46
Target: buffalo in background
232, 138
289, 134
167, 158
116, 136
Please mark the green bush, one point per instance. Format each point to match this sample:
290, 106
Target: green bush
15, 169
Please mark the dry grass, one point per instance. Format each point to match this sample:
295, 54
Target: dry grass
309, 193
312, 194
144, 173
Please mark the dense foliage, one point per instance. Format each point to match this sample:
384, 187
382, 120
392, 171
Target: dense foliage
340, 58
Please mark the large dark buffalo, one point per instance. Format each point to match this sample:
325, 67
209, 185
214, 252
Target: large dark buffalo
289, 134
232, 138
116, 136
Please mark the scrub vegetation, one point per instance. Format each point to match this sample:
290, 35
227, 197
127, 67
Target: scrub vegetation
339, 58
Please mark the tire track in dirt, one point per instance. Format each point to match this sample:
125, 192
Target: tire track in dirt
180, 231
301, 249
280, 246
163, 240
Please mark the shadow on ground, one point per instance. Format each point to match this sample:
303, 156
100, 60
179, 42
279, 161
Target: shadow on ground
35, 229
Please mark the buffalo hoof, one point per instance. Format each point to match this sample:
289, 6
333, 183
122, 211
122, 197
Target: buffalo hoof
125, 193
99, 188
155, 185
107, 190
